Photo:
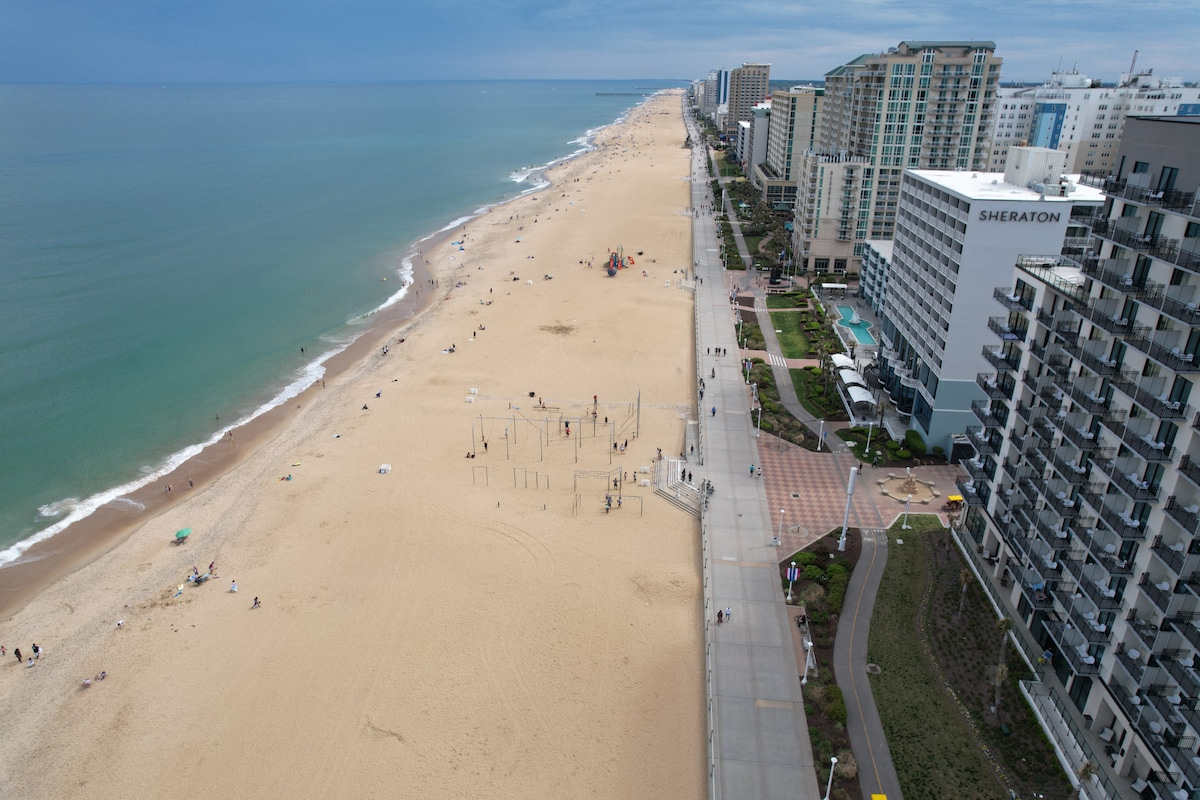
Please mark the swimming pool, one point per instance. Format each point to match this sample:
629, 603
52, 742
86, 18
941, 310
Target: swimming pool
859, 329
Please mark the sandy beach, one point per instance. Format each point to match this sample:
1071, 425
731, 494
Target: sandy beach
456, 626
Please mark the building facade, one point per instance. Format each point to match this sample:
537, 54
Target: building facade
921, 105
795, 114
1082, 117
1084, 493
876, 264
748, 86
957, 237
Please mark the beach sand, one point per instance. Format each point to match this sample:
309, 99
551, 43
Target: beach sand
454, 627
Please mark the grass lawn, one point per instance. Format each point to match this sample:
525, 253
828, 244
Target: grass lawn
792, 340
923, 646
728, 168
784, 301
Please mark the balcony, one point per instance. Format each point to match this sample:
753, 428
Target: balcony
1171, 252
1190, 470
1008, 332
1096, 362
1188, 627
1089, 400
982, 443
1188, 518
1158, 593
1173, 555
1132, 661
1110, 229
1144, 196
1004, 361
1033, 587
1073, 647
1066, 506
1161, 406
1106, 555
1129, 529
1141, 337
1084, 440
1134, 486
996, 387
1013, 302
1104, 597
986, 415
968, 490
1144, 445
1086, 624
1179, 665
1071, 471
1147, 633
1059, 323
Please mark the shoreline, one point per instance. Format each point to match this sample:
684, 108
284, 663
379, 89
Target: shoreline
86, 539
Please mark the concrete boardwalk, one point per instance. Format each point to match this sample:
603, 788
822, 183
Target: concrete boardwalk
759, 746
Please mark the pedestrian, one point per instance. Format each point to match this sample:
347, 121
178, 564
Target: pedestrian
689, 479
708, 351
233, 586
720, 616
714, 411
212, 566
256, 604
3, 650
29, 663
751, 470
728, 613
485, 445
37, 651
17, 653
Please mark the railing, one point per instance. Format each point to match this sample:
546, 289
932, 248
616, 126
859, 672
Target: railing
1011, 301
1190, 469
985, 415
1169, 555
1080, 664
1091, 630
1001, 327
1159, 406
1135, 488
1175, 358
1109, 229
1005, 362
1098, 364
1188, 518
968, 491
1127, 528
1100, 596
1056, 716
1145, 446
995, 388
1161, 598
1135, 668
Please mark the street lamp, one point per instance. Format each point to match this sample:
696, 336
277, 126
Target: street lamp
829, 786
792, 573
846, 519
870, 430
821, 436
807, 658
747, 363
758, 432
907, 503
782, 511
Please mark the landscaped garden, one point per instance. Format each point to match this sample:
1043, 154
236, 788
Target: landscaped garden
817, 391
957, 727
883, 451
824, 575
775, 419
804, 334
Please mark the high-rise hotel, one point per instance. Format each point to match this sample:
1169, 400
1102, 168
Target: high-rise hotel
921, 105
1084, 492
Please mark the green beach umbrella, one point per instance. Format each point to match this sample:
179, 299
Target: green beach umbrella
183, 533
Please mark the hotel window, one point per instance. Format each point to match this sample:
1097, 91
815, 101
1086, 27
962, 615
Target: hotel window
1141, 167
1192, 231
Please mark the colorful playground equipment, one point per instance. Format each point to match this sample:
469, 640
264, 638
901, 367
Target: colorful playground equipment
617, 260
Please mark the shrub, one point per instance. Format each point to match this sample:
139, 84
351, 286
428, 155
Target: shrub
837, 590
891, 446
914, 442
804, 559
903, 455
837, 704
814, 573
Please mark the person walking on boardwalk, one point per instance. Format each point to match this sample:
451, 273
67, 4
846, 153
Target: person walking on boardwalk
728, 613
714, 411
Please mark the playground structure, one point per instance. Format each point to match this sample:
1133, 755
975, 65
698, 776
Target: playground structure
617, 260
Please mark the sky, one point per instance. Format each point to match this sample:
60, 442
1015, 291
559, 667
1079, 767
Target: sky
173, 41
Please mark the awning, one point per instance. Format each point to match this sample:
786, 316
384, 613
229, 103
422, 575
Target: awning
850, 377
842, 361
860, 395
841, 286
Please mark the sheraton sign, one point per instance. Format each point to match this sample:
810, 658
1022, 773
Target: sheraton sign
1019, 216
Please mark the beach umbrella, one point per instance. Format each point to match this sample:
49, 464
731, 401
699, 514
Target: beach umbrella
183, 533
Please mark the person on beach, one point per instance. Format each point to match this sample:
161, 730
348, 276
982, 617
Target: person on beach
17, 653
3, 650
37, 651
256, 604
233, 587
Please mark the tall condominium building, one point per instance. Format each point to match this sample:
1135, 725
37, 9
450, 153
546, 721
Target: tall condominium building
1083, 118
957, 237
752, 137
795, 114
748, 86
716, 93
1084, 516
921, 105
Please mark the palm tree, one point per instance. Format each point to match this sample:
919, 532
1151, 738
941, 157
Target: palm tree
964, 580
1001, 677
1005, 625
1085, 773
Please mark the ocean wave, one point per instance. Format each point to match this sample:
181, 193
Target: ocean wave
58, 508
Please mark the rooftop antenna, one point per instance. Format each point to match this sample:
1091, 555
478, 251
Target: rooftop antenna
1133, 63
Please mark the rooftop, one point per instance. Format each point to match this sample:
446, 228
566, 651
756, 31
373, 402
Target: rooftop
991, 186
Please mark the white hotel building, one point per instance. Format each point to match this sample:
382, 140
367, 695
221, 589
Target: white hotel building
958, 236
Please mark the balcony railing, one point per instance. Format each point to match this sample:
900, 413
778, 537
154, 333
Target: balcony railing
1190, 469
1092, 630
1084, 440
1161, 597
1134, 665
1013, 302
1188, 518
1179, 665
1127, 528
969, 491
997, 387
1110, 229
1104, 597
981, 441
986, 415
1081, 663
1003, 361
1091, 401
1160, 406
1134, 486
1098, 364
1174, 357
1007, 332
1072, 472
1172, 555
1144, 445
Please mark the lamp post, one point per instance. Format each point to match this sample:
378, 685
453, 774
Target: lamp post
846, 518
821, 436
829, 786
807, 659
758, 432
870, 430
792, 573
747, 370
782, 511
907, 503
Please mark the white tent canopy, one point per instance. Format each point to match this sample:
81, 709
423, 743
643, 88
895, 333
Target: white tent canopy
860, 395
851, 377
842, 361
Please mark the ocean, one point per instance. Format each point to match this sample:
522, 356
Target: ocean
166, 252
